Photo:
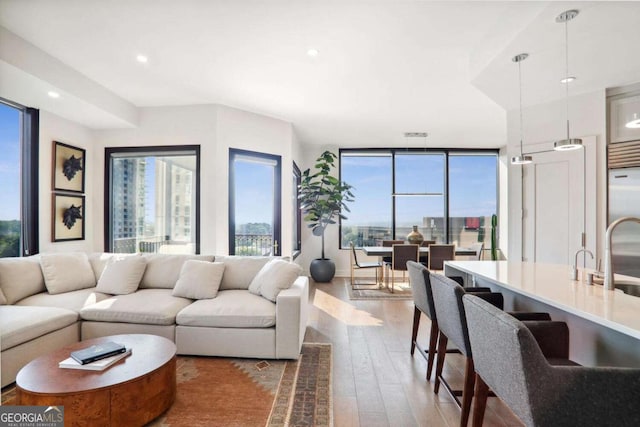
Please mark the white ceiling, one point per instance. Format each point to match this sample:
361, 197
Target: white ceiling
384, 67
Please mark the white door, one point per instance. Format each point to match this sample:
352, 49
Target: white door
558, 199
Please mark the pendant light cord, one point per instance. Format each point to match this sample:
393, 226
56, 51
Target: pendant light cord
566, 76
520, 89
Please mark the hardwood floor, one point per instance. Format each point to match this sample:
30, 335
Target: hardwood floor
376, 382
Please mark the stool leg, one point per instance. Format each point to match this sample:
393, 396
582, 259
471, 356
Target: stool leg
416, 324
442, 350
480, 402
467, 391
433, 340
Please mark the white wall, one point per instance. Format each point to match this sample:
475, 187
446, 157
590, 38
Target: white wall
254, 132
55, 128
216, 129
542, 125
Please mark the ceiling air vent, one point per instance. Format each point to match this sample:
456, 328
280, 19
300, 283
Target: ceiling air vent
624, 155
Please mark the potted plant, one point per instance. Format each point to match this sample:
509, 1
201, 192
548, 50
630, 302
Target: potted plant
322, 199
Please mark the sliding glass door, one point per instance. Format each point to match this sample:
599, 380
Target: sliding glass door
254, 203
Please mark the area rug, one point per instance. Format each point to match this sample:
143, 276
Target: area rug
214, 391
401, 291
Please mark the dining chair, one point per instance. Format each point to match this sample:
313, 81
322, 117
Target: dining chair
452, 323
438, 254
522, 370
400, 254
478, 248
362, 265
425, 258
388, 244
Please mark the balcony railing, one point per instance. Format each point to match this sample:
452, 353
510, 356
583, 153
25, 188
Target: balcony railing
254, 244
129, 245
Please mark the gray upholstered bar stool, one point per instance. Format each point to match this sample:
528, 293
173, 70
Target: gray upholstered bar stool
452, 322
423, 303
522, 369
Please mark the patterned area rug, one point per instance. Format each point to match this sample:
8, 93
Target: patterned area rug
215, 391
401, 291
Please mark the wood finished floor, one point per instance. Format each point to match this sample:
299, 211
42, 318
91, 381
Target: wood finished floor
376, 382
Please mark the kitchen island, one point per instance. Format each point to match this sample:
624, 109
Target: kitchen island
604, 325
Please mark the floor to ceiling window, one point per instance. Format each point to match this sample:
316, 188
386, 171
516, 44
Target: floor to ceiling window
449, 195
254, 203
152, 199
19, 178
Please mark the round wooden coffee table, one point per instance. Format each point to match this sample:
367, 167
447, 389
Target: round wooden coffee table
132, 392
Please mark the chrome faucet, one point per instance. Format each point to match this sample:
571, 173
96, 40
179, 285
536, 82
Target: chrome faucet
574, 272
608, 268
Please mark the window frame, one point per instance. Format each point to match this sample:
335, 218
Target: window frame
447, 152
297, 179
29, 177
108, 157
277, 199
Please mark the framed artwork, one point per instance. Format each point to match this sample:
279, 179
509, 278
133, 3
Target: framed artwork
68, 218
68, 168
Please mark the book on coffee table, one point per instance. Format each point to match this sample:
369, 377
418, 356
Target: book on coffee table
97, 352
97, 365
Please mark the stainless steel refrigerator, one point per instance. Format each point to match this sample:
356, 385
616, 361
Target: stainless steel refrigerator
624, 200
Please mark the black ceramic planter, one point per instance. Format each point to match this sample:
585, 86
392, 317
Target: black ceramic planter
322, 269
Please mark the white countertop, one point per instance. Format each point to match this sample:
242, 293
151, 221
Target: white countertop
551, 284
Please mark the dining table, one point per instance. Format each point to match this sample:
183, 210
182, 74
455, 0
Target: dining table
387, 251
382, 251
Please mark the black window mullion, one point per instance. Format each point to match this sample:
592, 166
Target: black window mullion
30, 189
447, 237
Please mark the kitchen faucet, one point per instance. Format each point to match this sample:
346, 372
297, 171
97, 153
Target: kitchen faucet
574, 272
608, 268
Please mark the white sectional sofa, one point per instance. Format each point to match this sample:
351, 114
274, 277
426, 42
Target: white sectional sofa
208, 305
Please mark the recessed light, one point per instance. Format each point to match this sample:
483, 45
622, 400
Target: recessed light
53, 94
313, 52
142, 59
568, 79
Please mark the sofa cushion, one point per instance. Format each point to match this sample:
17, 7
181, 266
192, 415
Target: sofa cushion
73, 300
99, 261
3, 299
22, 324
163, 270
275, 276
233, 308
64, 272
122, 275
20, 278
239, 271
145, 306
199, 279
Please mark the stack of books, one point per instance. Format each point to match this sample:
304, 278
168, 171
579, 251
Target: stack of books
97, 357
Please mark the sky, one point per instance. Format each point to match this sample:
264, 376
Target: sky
472, 187
9, 163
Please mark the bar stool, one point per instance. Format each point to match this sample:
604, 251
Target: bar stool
527, 373
452, 322
423, 303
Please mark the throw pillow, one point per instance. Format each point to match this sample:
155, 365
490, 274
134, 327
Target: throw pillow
275, 276
122, 275
66, 272
163, 270
20, 277
199, 280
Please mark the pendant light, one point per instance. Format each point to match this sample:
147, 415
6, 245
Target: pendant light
634, 122
522, 159
568, 143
